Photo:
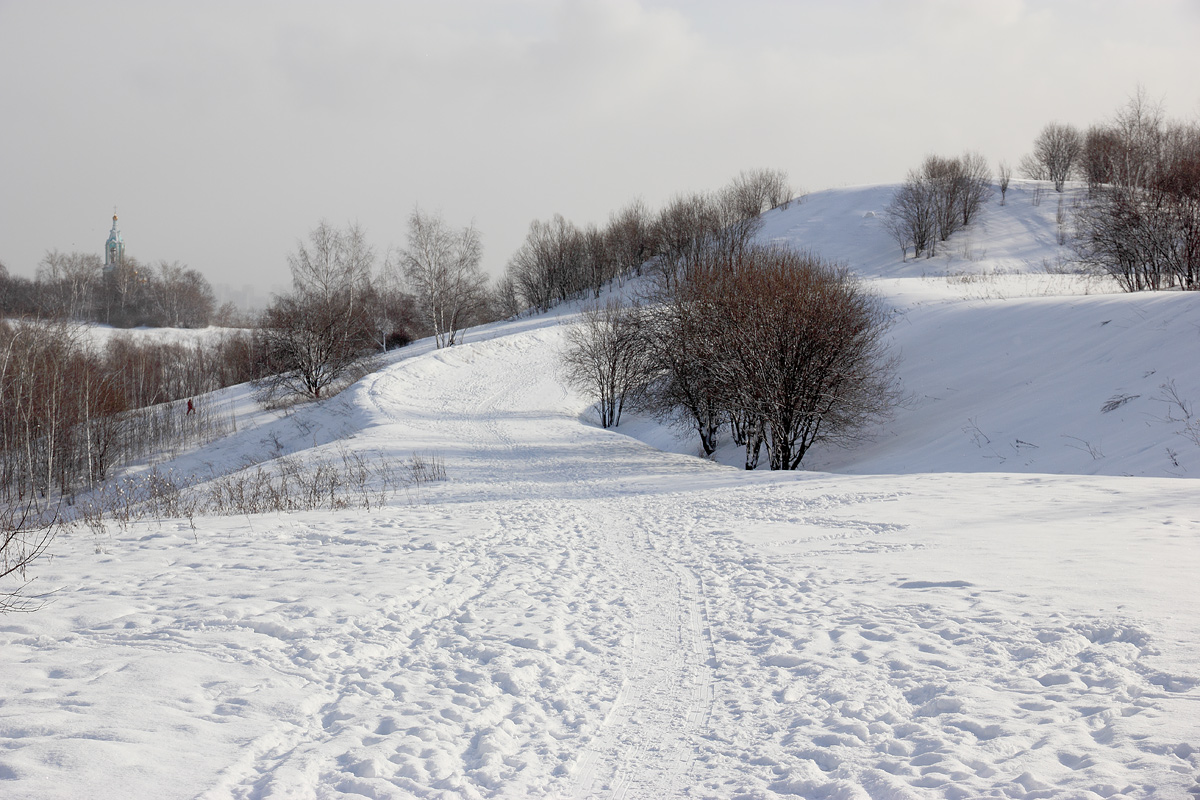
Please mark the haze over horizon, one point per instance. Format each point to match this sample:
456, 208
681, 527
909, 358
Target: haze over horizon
224, 132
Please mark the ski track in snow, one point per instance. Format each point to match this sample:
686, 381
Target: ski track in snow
573, 614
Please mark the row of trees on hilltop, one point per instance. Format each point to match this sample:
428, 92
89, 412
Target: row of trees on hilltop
74, 286
559, 261
342, 310
1139, 221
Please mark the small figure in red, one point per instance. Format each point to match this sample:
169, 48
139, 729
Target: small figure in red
191, 407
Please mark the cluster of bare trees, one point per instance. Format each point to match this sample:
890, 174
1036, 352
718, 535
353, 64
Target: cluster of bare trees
560, 261
778, 347
1141, 221
940, 197
70, 413
74, 286
342, 312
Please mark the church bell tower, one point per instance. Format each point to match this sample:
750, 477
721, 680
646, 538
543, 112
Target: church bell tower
114, 249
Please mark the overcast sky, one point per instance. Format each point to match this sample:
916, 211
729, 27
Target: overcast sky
225, 131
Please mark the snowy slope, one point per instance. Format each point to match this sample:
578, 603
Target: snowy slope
576, 614
1007, 367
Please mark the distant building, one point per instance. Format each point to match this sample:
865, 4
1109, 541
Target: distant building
114, 249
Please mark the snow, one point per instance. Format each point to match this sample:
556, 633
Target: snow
974, 604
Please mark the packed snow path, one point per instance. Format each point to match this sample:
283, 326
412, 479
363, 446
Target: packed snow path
574, 614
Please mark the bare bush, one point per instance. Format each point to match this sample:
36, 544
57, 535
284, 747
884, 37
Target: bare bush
25, 534
285, 484
604, 357
758, 190
804, 350
789, 348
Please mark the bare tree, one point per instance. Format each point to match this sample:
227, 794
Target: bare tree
630, 238
506, 301
333, 261
976, 186
684, 231
682, 385
1140, 132
936, 200
1005, 178
1141, 224
947, 181
1056, 154
912, 216
736, 223
24, 537
605, 358
70, 282
312, 342
441, 267
597, 262
1100, 157
323, 334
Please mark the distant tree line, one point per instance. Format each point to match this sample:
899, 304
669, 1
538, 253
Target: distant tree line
1139, 221
74, 286
346, 306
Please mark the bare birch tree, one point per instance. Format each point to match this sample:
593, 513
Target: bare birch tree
441, 267
333, 261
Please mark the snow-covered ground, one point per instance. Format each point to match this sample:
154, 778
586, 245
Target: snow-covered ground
994, 598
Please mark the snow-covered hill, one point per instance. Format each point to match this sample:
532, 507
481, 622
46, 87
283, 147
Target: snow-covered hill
978, 603
1009, 367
